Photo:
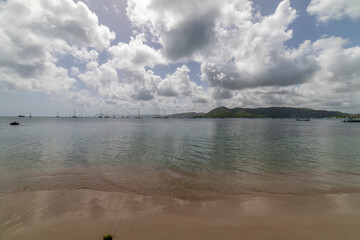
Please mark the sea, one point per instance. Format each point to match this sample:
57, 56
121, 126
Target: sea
190, 159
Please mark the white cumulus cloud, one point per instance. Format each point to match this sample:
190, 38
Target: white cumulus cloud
334, 9
36, 34
59, 47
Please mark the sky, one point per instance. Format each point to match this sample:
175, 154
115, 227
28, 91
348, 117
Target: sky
177, 56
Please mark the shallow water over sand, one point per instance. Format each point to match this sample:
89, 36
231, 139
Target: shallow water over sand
187, 159
88, 214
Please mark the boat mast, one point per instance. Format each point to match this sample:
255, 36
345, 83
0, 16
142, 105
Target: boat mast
138, 116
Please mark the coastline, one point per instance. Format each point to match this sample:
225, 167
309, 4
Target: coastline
89, 214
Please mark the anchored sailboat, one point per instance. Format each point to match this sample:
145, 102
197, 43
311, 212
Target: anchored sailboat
306, 119
106, 115
138, 116
351, 120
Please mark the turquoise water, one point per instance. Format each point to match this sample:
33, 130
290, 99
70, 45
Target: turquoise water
183, 158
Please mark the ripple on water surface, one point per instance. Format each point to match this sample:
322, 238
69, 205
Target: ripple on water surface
190, 159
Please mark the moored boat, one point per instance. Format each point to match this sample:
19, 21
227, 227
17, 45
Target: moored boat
138, 116
14, 123
106, 114
350, 120
303, 119
74, 116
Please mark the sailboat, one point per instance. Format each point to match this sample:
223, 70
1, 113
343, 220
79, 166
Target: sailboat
21, 115
351, 120
106, 115
57, 115
114, 115
74, 116
138, 116
100, 114
165, 116
30, 114
157, 114
302, 119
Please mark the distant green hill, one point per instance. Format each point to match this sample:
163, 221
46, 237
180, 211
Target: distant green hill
271, 112
186, 115
220, 112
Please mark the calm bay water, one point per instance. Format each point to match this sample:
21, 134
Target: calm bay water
196, 159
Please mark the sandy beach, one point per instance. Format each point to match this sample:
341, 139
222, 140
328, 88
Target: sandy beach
88, 214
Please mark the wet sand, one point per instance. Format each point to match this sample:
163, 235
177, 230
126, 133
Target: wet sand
88, 214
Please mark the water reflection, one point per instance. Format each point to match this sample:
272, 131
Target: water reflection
192, 158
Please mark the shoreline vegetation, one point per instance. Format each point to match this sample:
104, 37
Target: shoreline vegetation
270, 112
224, 112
